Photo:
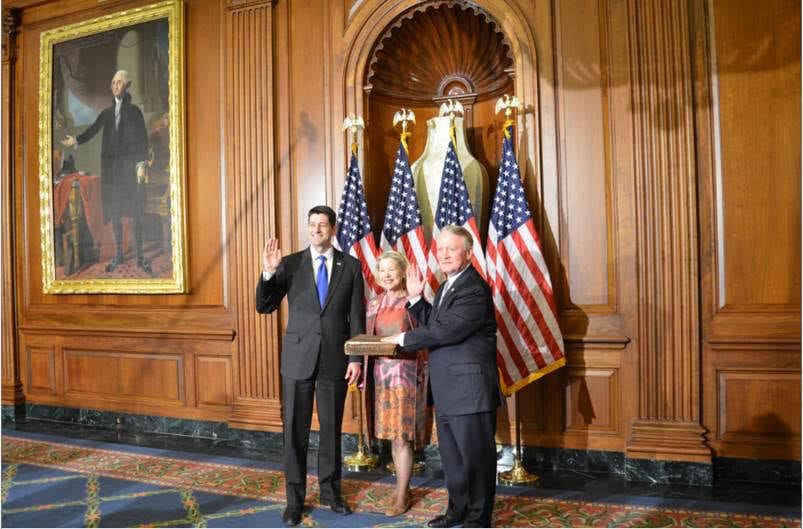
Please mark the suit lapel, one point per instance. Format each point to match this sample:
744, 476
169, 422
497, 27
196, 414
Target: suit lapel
436, 303
306, 271
446, 295
337, 274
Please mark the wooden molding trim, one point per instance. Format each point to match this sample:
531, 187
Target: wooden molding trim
668, 423
248, 92
256, 414
668, 441
177, 334
606, 342
11, 383
243, 4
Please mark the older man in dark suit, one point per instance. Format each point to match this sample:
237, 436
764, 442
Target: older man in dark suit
324, 289
123, 166
459, 329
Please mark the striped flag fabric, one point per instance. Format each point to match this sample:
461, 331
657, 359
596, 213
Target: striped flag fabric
354, 235
529, 341
454, 207
403, 230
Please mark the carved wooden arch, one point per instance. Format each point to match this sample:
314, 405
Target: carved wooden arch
370, 20
484, 63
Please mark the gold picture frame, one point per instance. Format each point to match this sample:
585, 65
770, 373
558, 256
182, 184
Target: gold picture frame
111, 153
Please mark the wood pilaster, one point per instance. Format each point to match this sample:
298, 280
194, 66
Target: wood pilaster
252, 207
668, 425
12, 385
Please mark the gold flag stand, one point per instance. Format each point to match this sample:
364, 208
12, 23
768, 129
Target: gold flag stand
518, 475
362, 460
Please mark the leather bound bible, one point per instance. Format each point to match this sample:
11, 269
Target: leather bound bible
370, 345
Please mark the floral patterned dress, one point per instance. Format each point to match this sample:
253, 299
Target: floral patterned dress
400, 384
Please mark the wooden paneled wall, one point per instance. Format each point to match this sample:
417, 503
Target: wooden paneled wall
162, 354
748, 123
661, 152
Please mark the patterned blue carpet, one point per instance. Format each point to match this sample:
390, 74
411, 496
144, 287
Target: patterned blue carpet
50, 481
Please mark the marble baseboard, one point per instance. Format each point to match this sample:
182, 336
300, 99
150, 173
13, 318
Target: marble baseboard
571, 459
13, 413
756, 470
669, 472
132, 423
534, 458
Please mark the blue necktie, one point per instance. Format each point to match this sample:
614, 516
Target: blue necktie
322, 281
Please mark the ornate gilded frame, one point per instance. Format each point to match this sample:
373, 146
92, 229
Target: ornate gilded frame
173, 11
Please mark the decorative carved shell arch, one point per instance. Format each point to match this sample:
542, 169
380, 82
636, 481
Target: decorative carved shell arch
370, 21
441, 49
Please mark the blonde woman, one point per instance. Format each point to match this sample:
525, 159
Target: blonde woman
398, 385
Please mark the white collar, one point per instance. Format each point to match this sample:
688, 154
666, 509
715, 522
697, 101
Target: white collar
328, 254
452, 278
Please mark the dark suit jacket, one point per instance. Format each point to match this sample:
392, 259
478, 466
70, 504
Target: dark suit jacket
311, 329
461, 337
122, 149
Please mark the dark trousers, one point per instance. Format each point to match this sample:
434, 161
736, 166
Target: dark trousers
297, 401
468, 452
117, 230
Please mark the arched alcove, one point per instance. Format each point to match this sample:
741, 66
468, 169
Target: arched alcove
433, 52
367, 25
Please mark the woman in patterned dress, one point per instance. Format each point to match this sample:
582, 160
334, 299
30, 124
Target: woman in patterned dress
400, 409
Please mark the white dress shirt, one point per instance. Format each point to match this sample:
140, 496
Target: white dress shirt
330, 254
117, 103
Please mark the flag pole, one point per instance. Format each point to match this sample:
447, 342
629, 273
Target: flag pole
362, 460
451, 108
517, 475
405, 116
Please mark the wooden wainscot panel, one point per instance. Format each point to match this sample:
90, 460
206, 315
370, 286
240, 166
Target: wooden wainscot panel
41, 369
592, 397
578, 406
142, 377
759, 406
213, 374
148, 374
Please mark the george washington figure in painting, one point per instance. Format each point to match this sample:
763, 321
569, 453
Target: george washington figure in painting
123, 166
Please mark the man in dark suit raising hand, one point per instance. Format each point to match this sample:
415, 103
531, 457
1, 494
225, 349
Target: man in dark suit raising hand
459, 329
324, 289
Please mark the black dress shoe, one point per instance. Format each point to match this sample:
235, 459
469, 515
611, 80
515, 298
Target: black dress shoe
291, 516
145, 265
444, 520
114, 263
338, 506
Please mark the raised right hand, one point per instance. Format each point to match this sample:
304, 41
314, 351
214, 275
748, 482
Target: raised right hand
69, 141
271, 256
415, 282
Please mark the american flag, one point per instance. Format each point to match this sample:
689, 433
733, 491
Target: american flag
354, 228
403, 230
529, 343
455, 208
